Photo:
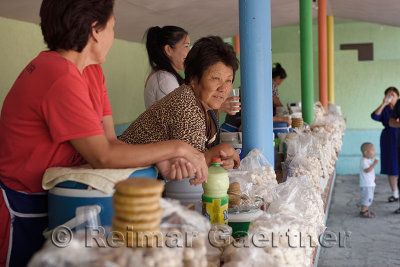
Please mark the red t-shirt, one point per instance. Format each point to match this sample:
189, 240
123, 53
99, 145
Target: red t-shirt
50, 103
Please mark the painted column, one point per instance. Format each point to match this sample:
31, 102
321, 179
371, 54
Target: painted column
306, 57
322, 54
256, 78
331, 61
236, 41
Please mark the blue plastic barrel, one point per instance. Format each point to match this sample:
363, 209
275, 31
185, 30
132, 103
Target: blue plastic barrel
65, 197
281, 127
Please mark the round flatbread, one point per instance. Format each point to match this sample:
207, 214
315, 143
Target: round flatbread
139, 216
139, 187
135, 226
136, 208
132, 200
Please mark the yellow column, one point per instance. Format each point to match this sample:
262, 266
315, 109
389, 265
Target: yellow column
331, 61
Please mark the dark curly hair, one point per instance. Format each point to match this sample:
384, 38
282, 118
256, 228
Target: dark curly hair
206, 52
156, 39
67, 24
277, 70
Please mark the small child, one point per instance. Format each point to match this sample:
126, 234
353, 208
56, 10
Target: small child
367, 179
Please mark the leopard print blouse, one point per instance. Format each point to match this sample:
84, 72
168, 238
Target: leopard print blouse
180, 116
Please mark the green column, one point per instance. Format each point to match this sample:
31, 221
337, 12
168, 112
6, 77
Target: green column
306, 55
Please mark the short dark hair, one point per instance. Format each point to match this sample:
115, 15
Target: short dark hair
206, 52
366, 146
156, 39
392, 89
278, 71
67, 24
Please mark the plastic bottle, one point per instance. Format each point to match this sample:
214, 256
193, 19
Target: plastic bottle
215, 198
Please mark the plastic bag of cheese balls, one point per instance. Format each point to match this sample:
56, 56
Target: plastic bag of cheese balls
252, 183
219, 237
191, 227
95, 254
298, 198
254, 160
251, 256
174, 214
284, 237
51, 255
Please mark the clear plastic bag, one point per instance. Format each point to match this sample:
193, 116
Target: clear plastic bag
254, 160
257, 180
78, 254
176, 215
249, 257
298, 198
184, 235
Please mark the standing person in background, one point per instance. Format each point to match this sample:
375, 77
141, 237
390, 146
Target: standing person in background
388, 141
278, 75
394, 122
233, 120
367, 179
167, 48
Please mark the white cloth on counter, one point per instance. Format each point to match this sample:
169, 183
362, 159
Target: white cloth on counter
101, 179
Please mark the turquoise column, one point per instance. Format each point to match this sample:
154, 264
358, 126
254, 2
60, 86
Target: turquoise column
306, 56
256, 76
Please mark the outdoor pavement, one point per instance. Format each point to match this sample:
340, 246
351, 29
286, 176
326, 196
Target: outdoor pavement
372, 242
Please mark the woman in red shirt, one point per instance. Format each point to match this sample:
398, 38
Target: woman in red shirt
58, 114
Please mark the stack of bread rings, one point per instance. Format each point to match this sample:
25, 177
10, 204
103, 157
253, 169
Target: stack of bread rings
137, 210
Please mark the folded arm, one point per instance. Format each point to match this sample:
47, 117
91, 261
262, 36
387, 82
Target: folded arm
105, 151
395, 123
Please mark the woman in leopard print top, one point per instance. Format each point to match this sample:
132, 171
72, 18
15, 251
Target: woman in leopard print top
186, 113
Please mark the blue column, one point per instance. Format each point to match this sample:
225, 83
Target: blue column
256, 76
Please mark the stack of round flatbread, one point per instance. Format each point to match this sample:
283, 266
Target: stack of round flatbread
297, 122
137, 211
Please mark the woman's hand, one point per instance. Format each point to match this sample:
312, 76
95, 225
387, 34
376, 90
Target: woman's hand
197, 160
229, 156
175, 169
230, 159
379, 110
230, 106
385, 102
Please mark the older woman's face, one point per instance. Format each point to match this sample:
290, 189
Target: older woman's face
215, 85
